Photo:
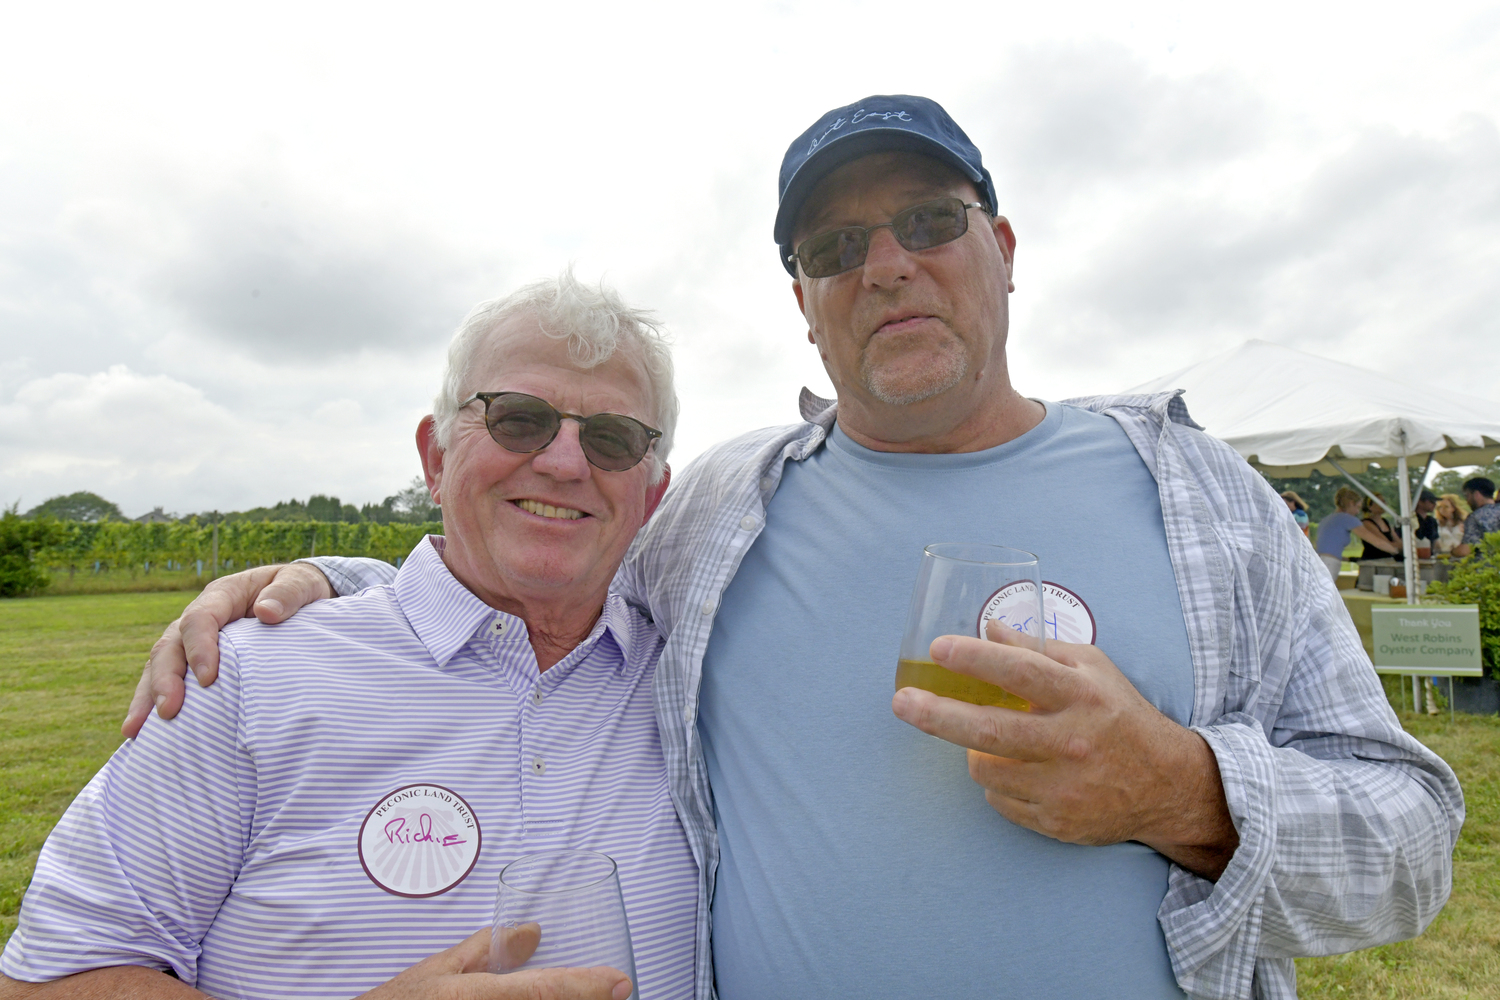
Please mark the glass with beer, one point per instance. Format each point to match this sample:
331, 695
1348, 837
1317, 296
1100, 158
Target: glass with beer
961, 587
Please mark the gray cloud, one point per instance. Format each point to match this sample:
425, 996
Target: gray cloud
1373, 256
1166, 217
130, 366
53, 306
143, 440
1063, 117
259, 272
253, 266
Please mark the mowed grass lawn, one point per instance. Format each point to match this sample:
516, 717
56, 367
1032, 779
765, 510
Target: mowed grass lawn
67, 668
68, 665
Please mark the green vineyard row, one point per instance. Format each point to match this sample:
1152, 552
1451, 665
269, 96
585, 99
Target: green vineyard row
108, 545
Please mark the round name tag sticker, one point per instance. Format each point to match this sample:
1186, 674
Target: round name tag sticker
419, 841
1065, 617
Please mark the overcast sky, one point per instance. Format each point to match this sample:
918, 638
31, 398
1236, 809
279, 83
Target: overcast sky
234, 240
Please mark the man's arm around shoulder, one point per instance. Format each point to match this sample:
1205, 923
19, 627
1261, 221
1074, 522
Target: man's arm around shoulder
270, 593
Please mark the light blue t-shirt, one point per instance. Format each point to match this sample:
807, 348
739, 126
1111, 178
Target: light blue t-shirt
858, 859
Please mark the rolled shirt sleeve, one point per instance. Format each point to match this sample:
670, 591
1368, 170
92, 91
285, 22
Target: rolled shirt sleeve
139, 865
1346, 823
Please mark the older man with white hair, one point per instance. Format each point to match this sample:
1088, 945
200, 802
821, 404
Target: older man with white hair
340, 803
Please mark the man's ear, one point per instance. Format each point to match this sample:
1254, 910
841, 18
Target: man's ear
1006, 237
802, 305
432, 457
656, 492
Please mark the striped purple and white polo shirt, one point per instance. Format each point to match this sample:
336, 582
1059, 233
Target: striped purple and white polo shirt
338, 806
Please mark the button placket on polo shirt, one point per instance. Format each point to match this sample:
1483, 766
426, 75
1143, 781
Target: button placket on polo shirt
540, 717
514, 662
533, 762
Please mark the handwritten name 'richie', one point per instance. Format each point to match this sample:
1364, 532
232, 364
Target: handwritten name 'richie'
397, 832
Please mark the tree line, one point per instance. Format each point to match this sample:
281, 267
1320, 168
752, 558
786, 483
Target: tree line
32, 548
412, 505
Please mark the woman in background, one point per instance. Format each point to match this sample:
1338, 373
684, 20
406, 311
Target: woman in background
1335, 530
1450, 513
1381, 540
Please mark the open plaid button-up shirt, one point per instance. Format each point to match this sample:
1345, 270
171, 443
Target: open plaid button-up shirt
1346, 823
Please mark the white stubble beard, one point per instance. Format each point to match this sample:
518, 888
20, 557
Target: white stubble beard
949, 371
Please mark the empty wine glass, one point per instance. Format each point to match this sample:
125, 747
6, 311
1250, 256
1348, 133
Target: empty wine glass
561, 909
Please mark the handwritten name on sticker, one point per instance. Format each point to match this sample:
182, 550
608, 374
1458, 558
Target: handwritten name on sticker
1064, 616
419, 841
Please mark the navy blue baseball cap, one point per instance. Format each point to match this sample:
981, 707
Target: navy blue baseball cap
880, 124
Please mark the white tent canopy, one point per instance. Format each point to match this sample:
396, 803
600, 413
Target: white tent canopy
1289, 412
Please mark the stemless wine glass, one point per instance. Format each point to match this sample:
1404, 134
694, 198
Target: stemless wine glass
567, 905
960, 588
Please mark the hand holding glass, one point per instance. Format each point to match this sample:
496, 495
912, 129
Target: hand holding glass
960, 588
561, 909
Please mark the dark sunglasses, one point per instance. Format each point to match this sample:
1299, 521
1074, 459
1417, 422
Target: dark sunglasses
920, 227
525, 424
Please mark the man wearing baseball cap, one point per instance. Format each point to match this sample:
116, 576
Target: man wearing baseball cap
1210, 780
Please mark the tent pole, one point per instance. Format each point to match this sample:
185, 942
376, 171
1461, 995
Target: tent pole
1360, 486
1408, 552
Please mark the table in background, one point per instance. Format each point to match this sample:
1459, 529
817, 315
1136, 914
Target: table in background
1430, 570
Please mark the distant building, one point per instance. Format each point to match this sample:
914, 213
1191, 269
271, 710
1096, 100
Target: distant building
155, 517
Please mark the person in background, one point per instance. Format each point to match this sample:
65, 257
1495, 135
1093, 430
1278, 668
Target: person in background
1382, 541
1450, 512
1295, 504
1335, 529
1426, 534
1426, 537
1485, 518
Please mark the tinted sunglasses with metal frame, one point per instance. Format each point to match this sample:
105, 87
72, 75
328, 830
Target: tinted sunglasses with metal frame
526, 424
921, 227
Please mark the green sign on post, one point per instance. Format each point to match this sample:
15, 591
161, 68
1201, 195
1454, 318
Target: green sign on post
1427, 639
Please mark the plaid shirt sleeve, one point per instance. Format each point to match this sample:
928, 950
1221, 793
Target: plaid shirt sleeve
1346, 823
351, 574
